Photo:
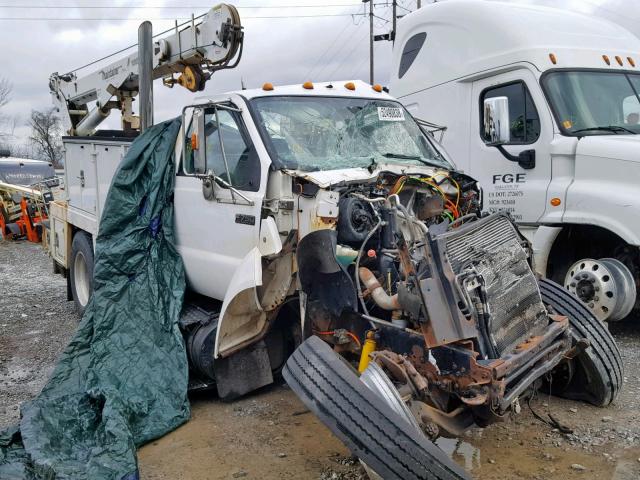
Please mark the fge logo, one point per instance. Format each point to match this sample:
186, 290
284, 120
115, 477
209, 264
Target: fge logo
510, 178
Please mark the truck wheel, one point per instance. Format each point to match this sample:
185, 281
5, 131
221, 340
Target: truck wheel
595, 375
81, 270
382, 439
606, 286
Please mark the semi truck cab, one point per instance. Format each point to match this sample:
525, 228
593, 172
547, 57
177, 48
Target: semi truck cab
542, 106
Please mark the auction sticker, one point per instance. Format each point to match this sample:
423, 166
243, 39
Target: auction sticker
391, 114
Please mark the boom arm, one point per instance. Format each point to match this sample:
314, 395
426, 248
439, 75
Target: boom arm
193, 54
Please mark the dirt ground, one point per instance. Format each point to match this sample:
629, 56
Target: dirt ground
270, 435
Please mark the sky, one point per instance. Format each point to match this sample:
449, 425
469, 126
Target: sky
327, 41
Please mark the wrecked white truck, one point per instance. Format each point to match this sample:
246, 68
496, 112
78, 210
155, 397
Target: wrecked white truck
321, 227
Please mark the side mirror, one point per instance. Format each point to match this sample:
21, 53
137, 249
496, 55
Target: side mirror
194, 161
495, 128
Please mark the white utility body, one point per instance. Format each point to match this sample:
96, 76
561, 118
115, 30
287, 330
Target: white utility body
565, 89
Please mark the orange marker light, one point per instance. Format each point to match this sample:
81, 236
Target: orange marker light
619, 60
553, 59
307, 85
267, 86
606, 59
555, 202
377, 88
194, 141
350, 86
631, 61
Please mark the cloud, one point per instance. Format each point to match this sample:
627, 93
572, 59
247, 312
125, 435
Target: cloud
280, 51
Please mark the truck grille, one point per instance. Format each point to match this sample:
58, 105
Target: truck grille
493, 246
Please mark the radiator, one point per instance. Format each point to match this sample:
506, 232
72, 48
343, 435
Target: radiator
494, 247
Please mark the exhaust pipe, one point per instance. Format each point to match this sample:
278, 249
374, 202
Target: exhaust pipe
382, 298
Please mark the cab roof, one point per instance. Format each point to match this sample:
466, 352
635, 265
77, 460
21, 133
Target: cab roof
468, 37
332, 89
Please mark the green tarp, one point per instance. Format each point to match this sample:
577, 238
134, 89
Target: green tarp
122, 381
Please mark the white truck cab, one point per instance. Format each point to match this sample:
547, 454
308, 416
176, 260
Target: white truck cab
542, 106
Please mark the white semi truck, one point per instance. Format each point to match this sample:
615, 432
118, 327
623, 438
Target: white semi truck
326, 212
559, 95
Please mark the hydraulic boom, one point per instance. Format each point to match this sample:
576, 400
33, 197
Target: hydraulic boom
188, 57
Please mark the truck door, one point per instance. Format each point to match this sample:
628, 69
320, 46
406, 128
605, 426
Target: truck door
506, 184
216, 232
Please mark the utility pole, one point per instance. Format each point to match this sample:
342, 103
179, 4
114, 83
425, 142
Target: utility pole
145, 78
394, 14
370, 39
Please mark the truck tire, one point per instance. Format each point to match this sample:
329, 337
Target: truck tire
596, 373
361, 420
81, 270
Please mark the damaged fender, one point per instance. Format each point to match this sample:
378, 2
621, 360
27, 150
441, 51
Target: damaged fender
241, 317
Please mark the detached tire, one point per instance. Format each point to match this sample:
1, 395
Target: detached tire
361, 420
81, 270
596, 374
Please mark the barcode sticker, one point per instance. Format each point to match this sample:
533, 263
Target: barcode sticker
390, 114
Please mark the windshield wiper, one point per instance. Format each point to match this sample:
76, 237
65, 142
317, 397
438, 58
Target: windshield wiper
409, 157
611, 128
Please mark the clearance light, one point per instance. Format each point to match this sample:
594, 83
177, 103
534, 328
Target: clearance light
619, 60
631, 61
267, 87
606, 59
350, 86
555, 202
553, 59
307, 85
194, 141
377, 88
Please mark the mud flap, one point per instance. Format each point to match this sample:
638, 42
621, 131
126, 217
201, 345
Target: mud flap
243, 371
241, 317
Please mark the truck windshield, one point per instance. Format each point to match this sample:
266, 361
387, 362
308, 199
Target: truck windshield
595, 103
330, 133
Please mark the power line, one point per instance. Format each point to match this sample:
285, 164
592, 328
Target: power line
173, 7
345, 42
349, 55
130, 19
321, 57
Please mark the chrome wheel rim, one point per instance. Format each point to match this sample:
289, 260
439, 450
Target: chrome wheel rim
606, 286
81, 278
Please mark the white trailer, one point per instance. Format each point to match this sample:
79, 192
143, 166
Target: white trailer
564, 88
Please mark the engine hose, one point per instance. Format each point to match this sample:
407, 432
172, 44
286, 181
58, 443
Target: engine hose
366, 240
382, 298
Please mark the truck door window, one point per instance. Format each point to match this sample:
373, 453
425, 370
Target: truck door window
523, 116
241, 157
410, 52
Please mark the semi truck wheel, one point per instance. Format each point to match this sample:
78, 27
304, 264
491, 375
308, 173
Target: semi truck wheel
364, 422
606, 286
594, 375
81, 270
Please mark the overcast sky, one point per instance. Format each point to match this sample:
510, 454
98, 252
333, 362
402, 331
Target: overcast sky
324, 42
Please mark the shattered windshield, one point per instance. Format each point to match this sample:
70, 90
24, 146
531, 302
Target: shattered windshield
330, 133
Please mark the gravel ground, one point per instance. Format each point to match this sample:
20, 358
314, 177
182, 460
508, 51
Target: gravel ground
270, 435
36, 322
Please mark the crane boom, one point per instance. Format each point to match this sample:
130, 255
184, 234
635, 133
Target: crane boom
187, 57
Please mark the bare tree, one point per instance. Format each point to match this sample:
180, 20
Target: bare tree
5, 91
46, 136
5, 96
